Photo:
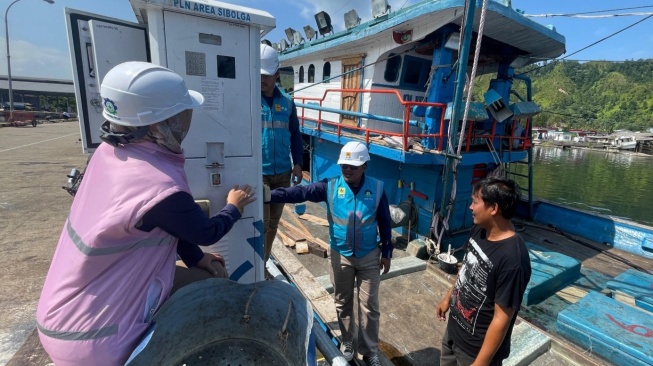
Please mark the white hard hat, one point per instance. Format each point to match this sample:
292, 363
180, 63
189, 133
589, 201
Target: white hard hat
141, 94
354, 153
269, 60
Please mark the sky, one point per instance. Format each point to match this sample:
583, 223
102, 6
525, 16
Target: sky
39, 44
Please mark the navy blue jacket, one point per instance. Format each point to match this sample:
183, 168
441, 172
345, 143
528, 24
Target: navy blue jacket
180, 216
317, 192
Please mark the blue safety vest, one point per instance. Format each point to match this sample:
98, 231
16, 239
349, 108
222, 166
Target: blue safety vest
276, 134
352, 218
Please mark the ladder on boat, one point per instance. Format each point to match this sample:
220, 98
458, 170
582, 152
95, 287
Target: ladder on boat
493, 151
510, 169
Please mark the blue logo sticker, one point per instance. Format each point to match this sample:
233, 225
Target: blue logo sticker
110, 107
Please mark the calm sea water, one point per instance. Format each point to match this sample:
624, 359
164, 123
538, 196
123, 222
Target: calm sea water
607, 183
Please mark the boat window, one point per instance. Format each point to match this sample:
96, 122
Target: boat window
311, 74
415, 72
392, 67
301, 74
326, 72
287, 76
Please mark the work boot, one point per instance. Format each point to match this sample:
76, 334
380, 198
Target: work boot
347, 349
372, 361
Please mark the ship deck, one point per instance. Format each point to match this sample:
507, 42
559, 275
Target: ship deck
410, 333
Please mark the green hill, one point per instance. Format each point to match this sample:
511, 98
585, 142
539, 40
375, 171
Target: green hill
602, 96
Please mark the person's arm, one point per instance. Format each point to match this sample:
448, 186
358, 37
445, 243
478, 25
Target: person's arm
385, 233
314, 192
443, 307
495, 334
181, 217
385, 227
296, 145
189, 253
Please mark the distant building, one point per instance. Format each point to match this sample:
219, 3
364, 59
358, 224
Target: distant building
28, 90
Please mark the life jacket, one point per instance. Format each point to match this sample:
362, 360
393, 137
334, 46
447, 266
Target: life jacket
352, 218
275, 122
107, 278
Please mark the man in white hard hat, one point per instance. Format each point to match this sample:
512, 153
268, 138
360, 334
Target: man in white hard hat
281, 140
114, 265
357, 209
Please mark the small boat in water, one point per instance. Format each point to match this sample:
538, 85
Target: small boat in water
398, 83
625, 142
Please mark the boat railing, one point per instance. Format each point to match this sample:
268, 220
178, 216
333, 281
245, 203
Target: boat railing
316, 103
523, 141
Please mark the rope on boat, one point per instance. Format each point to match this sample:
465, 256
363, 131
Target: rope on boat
246, 317
454, 168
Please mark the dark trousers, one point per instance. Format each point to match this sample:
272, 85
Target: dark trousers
452, 355
272, 212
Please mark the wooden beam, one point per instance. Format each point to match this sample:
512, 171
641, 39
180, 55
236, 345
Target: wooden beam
301, 247
314, 219
285, 239
306, 284
298, 223
572, 294
290, 228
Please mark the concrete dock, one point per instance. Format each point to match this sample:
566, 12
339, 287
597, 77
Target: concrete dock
34, 162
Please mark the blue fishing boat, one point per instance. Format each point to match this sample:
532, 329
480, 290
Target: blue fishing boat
401, 83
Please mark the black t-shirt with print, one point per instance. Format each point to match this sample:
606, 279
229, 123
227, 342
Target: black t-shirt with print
493, 272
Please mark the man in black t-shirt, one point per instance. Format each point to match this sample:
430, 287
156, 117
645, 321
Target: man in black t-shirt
486, 297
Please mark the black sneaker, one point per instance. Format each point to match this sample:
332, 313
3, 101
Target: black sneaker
372, 361
347, 349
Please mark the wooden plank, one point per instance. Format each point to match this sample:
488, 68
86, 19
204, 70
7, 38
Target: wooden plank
314, 292
314, 219
296, 221
301, 247
317, 249
294, 230
295, 236
571, 294
289, 228
285, 239
322, 243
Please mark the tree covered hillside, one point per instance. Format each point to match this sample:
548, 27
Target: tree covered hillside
601, 96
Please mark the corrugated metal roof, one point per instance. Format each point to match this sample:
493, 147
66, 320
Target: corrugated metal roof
41, 85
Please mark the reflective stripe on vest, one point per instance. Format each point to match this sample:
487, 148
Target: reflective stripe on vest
90, 251
353, 224
275, 123
79, 336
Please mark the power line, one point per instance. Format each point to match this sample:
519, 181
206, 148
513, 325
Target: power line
611, 35
343, 6
620, 9
591, 45
587, 16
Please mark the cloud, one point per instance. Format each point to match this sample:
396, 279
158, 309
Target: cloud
28, 59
